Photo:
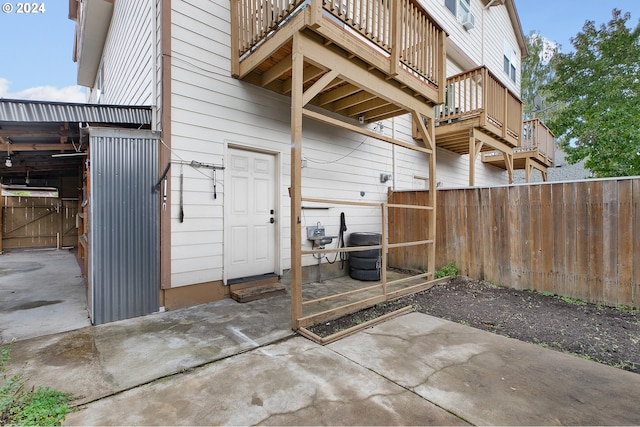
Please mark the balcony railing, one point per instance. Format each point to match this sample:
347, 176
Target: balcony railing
399, 30
479, 94
536, 136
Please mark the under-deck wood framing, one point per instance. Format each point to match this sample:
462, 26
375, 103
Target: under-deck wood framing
363, 60
536, 152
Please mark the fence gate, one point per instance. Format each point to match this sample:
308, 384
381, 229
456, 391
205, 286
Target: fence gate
123, 224
38, 222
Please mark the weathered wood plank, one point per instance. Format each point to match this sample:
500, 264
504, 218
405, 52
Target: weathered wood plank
546, 238
582, 241
625, 238
610, 224
635, 281
596, 237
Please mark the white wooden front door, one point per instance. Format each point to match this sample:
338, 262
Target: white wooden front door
252, 215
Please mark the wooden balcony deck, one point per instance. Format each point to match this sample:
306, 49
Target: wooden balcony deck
536, 152
477, 100
479, 114
345, 42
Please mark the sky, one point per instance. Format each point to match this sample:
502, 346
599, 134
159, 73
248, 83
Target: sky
559, 20
36, 49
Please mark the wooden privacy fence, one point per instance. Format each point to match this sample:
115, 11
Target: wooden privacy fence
575, 239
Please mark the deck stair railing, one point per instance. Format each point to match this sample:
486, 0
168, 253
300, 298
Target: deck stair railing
478, 93
401, 30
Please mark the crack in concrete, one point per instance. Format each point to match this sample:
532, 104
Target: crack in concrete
410, 390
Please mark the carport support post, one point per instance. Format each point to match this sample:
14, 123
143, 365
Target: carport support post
296, 181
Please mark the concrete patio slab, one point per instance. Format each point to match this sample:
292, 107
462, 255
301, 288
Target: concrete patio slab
489, 379
295, 382
98, 361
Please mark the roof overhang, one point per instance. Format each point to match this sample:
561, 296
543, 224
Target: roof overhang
46, 138
93, 18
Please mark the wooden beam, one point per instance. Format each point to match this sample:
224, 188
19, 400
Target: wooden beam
36, 147
366, 132
508, 163
340, 93
318, 86
351, 101
309, 74
359, 76
296, 181
276, 71
418, 122
360, 109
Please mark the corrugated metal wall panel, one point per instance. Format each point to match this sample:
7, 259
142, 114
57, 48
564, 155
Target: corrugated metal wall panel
124, 228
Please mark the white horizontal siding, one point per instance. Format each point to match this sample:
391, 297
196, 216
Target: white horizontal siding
470, 42
127, 59
498, 29
211, 111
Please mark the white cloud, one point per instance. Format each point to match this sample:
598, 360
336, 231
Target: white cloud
44, 93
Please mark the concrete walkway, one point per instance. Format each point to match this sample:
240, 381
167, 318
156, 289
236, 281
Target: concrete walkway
411, 370
41, 293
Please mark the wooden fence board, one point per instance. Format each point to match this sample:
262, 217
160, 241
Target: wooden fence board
582, 240
559, 238
571, 243
635, 289
595, 241
575, 239
625, 243
515, 236
610, 226
546, 238
485, 234
535, 236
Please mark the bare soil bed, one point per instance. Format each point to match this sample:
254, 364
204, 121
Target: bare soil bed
595, 332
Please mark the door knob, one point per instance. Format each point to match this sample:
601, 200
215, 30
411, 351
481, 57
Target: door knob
272, 220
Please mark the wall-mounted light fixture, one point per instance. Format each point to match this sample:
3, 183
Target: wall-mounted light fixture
384, 177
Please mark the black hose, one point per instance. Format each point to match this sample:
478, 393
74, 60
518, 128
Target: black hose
341, 243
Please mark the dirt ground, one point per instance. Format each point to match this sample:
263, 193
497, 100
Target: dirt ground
603, 334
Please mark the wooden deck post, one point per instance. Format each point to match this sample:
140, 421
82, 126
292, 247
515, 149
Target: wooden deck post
235, 38
316, 13
296, 181
431, 263
396, 37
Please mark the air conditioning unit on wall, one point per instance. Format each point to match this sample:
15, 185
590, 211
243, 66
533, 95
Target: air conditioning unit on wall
467, 20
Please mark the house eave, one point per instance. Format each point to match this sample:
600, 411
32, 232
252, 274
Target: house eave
94, 19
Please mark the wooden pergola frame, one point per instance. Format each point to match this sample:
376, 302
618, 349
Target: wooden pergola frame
307, 50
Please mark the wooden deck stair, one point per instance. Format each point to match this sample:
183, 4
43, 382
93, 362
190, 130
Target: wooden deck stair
256, 287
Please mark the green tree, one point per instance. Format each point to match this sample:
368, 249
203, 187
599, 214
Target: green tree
536, 74
599, 89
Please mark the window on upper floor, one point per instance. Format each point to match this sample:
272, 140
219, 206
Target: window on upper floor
510, 58
452, 5
461, 9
